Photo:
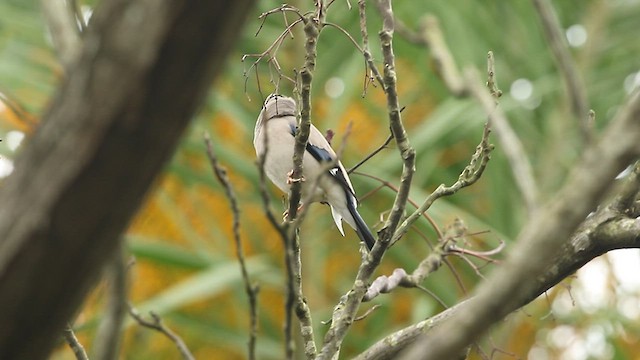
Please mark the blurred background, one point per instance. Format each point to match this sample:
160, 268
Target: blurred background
185, 265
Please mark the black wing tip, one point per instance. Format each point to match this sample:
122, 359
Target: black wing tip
366, 236
362, 229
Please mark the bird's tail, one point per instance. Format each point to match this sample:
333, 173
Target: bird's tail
361, 227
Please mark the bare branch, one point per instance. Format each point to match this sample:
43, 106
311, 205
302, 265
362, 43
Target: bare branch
282, 231
368, 58
492, 84
270, 54
372, 154
249, 287
345, 33
481, 254
400, 278
63, 30
156, 324
566, 66
74, 344
509, 141
469, 175
345, 311
538, 243
469, 85
611, 227
407, 153
313, 24
445, 64
112, 125
389, 347
107, 340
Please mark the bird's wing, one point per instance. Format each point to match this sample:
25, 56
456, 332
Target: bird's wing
318, 147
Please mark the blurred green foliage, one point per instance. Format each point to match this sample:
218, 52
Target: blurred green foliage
186, 268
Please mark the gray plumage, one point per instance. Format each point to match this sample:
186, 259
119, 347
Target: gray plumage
333, 184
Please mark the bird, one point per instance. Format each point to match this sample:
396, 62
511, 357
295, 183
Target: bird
325, 178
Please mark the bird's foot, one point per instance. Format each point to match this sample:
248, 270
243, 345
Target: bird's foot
285, 214
292, 180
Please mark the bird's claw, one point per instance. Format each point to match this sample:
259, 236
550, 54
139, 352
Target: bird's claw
285, 214
291, 180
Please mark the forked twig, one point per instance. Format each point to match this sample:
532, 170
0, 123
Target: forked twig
156, 324
469, 175
447, 246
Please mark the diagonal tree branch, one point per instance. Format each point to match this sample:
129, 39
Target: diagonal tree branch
113, 124
63, 30
538, 243
613, 226
345, 312
566, 66
468, 85
74, 343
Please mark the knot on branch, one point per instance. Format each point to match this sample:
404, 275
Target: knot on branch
311, 28
409, 154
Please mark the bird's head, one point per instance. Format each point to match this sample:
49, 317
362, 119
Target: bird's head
278, 106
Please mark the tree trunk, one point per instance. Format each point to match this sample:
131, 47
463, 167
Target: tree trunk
143, 69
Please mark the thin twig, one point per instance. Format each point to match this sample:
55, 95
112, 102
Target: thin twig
433, 295
346, 33
74, 344
492, 83
485, 255
447, 246
407, 153
250, 288
156, 324
416, 38
345, 311
394, 188
313, 24
368, 58
566, 66
469, 85
107, 340
469, 175
509, 141
282, 231
290, 267
372, 154
442, 58
270, 53
266, 203
63, 29
367, 313
537, 245
433, 224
